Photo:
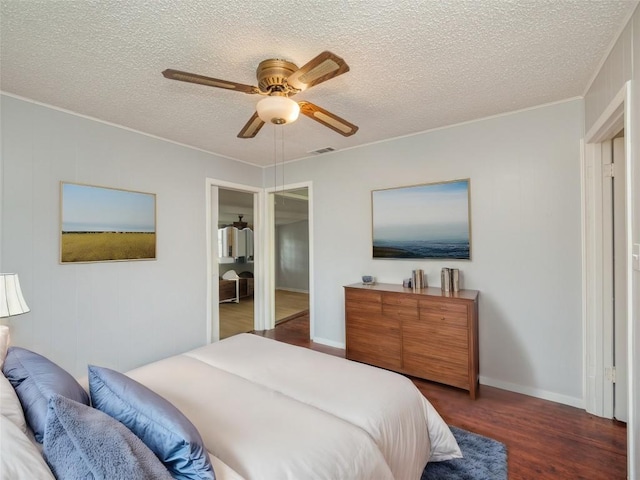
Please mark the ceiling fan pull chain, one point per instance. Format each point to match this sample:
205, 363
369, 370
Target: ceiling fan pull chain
275, 161
282, 153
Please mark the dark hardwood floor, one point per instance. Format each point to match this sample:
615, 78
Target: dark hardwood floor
545, 440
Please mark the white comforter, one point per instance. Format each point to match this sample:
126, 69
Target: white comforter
274, 411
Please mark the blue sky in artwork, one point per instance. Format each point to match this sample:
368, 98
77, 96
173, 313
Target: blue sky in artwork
95, 209
424, 212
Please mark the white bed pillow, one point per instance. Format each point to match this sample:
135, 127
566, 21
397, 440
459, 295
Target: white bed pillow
4, 343
10, 406
19, 457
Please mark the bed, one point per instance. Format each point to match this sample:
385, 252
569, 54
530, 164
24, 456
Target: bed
268, 410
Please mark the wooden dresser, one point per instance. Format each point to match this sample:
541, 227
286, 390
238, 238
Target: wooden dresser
425, 333
227, 289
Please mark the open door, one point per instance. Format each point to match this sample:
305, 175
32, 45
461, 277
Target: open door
291, 254
620, 326
614, 279
236, 262
289, 248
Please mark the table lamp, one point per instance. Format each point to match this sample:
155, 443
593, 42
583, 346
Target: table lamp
11, 303
11, 300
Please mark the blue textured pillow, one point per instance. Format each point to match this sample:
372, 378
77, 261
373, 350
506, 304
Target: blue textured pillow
82, 442
35, 379
160, 425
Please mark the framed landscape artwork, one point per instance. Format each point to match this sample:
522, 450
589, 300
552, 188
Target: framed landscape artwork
422, 221
101, 224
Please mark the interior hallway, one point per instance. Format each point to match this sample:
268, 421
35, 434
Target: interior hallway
238, 317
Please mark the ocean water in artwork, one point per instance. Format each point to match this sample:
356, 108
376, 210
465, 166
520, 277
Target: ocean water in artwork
454, 249
422, 221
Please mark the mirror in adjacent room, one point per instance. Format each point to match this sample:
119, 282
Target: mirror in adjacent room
235, 242
235, 262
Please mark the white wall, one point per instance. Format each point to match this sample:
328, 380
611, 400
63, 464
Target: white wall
623, 64
525, 203
292, 256
120, 314
526, 241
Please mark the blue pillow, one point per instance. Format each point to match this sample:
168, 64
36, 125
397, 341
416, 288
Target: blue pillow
82, 442
160, 425
35, 379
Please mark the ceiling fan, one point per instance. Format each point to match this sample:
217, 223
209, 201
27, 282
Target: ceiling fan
277, 81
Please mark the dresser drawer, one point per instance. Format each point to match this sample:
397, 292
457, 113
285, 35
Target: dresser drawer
376, 346
436, 351
368, 308
400, 313
443, 319
226, 289
362, 296
377, 322
442, 342
449, 308
447, 371
400, 300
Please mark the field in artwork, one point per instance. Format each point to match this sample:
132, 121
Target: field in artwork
106, 246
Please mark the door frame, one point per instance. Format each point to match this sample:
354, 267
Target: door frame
597, 392
619, 240
212, 296
270, 246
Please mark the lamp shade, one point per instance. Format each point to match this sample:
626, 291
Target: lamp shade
11, 299
278, 110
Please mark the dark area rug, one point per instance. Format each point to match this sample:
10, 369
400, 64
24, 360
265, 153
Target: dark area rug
484, 459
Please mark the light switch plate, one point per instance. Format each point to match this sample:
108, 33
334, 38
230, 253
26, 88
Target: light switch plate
635, 254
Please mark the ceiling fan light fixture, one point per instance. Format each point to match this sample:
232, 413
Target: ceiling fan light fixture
278, 110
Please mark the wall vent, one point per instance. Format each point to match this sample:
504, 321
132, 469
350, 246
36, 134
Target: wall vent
323, 150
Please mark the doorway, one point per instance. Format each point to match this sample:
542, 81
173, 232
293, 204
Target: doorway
234, 253
235, 262
607, 263
614, 279
291, 254
289, 238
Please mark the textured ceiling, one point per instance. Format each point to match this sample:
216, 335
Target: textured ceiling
290, 206
415, 65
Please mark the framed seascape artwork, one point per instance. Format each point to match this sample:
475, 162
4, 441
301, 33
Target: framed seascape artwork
99, 224
422, 221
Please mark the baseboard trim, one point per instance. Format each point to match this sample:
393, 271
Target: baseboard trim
295, 290
534, 392
292, 317
328, 343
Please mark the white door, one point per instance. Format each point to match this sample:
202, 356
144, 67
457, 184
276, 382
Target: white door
620, 329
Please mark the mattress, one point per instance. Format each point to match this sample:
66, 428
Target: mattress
269, 410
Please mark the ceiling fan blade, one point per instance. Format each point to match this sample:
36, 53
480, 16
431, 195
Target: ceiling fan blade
320, 69
208, 81
328, 119
252, 127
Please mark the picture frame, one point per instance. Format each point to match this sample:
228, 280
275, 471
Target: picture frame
103, 224
427, 221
